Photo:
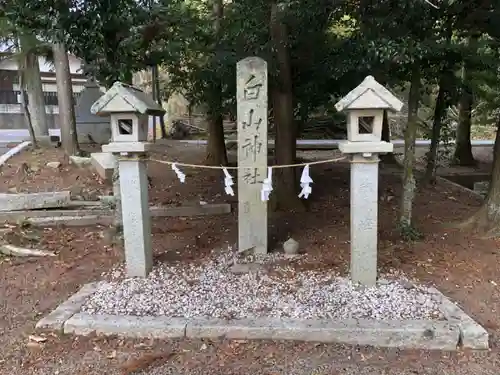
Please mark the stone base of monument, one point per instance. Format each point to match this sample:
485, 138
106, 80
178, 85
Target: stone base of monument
211, 301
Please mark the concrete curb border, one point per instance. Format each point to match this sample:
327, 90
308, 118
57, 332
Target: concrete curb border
459, 330
401, 334
473, 193
472, 335
56, 319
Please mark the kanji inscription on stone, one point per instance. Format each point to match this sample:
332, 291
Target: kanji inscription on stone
251, 81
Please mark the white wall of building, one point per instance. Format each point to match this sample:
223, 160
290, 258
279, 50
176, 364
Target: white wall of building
75, 65
78, 85
49, 84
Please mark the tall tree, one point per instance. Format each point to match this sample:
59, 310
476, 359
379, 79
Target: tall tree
443, 101
409, 183
463, 149
444, 97
26, 112
216, 146
67, 119
25, 49
487, 219
282, 104
28, 59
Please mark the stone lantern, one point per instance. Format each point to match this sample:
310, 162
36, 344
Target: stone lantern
129, 109
364, 107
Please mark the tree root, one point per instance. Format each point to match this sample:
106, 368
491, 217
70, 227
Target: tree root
483, 222
12, 250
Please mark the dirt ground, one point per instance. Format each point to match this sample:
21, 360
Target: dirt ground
461, 265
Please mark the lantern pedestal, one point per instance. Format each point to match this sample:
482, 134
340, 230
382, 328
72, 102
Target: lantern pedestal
132, 170
364, 207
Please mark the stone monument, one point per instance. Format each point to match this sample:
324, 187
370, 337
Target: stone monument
130, 109
365, 106
91, 128
251, 82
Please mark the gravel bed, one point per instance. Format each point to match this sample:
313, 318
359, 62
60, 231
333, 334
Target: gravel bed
269, 288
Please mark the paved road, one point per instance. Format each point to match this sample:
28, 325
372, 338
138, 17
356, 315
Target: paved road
19, 135
9, 136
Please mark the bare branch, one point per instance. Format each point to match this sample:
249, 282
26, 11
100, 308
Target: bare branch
431, 4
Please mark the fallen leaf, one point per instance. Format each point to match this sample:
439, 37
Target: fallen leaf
144, 362
240, 341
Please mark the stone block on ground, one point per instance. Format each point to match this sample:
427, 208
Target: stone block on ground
191, 210
291, 247
15, 216
53, 164
79, 161
73, 221
482, 187
34, 201
104, 163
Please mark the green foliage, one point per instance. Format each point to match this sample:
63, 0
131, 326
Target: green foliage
409, 233
332, 44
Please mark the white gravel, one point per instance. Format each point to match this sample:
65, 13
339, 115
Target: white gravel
210, 289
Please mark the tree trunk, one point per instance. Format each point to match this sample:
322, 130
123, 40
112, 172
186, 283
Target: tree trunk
216, 153
27, 117
216, 146
442, 104
154, 77
409, 185
284, 179
67, 119
463, 150
24, 105
304, 118
32, 83
163, 130
487, 219
442, 101
389, 158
